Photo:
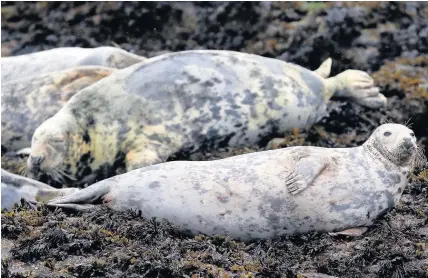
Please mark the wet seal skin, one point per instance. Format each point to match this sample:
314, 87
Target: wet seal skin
28, 102
266, 194
15, 187
22, 66
184, 102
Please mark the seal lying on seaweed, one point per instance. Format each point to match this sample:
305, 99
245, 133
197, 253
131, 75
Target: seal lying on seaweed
266, 194
182, 102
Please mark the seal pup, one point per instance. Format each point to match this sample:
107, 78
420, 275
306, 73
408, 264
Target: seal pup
182, 102
21, 66
28, 102
15, 187
266, 194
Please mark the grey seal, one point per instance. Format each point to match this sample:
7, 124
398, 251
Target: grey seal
28, 102
16, 187
266, 194
52, 60
183, 102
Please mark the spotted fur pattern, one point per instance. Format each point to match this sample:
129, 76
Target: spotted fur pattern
185, 101
245, 196
22, 66
28, 102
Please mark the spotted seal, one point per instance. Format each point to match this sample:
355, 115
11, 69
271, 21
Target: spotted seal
266, 194
21, 66
28, 102
181, 102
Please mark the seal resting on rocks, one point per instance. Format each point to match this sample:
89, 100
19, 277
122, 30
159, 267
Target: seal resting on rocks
182, 102
28, 102
266, 194
16, 67
15, 187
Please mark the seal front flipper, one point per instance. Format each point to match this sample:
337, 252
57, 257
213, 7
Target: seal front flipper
306, 170
146, 155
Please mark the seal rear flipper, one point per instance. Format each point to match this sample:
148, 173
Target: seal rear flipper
45, 196
90, 195
325, 68
372, 102
353, 232
356, 85
306, 170
15, 187
78, 207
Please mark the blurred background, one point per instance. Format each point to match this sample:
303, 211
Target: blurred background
357, 34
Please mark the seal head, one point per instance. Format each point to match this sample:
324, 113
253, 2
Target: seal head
394, 143
50, 145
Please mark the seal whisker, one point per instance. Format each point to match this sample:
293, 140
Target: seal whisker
408, 124
63, 173
420, 160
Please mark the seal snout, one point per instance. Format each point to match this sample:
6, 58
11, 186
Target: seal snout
34, 162
408, 144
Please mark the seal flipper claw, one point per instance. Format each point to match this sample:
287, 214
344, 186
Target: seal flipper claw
354, 232
307, 169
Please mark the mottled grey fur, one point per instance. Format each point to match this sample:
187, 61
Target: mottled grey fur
22, 66
185, 101
15, 187
28, 102
246, 196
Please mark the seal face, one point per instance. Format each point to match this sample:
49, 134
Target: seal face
182, 102
22, 66
28, 102
266, 194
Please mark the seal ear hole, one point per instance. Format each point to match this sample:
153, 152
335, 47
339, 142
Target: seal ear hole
386, 134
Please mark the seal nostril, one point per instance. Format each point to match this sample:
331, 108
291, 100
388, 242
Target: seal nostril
37, 160
408, 143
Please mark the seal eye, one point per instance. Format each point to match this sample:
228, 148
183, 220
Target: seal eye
412, 134
56, 140
386, 134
